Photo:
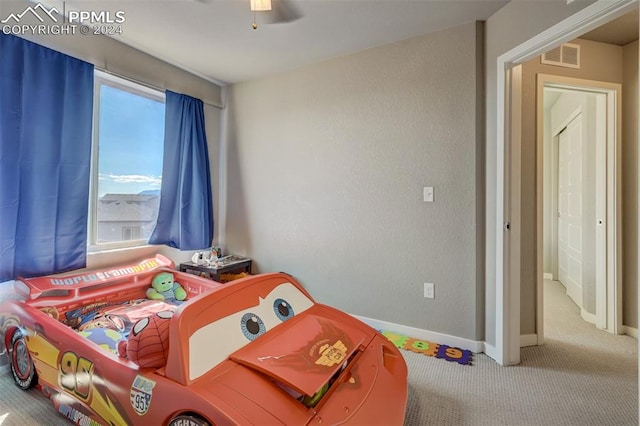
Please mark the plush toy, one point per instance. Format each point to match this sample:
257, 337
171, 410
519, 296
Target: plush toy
163, 287
148, 343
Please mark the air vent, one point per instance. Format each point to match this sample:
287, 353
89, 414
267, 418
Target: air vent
566, 55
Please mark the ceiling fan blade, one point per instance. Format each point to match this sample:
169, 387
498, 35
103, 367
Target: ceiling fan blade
283, 11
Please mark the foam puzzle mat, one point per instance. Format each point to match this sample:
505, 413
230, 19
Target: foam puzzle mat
441, 351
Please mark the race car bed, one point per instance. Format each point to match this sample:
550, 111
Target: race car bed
145, 344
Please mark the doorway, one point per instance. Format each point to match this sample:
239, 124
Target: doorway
578, 225
506, 327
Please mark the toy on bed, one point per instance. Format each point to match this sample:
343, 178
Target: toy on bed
106, 321
107, 338
111, 324
164, 287
148, 343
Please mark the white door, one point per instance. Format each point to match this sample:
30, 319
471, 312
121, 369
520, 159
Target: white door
570, 208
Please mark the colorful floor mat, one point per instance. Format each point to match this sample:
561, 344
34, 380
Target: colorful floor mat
449, 353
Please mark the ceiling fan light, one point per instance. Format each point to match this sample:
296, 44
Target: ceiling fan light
260, 5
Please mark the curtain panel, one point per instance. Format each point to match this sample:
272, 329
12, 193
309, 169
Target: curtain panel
185, 217
46, 110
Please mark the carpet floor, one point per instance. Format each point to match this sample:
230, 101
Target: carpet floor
581, 376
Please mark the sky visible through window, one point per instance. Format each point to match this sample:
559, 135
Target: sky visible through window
131, 141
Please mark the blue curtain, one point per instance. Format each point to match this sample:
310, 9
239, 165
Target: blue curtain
185, 218
46, 109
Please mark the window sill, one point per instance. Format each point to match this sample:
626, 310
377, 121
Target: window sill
104, 256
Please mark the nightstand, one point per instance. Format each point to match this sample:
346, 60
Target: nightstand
230, 264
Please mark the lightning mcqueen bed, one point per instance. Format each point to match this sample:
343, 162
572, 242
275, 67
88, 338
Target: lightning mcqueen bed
254, 351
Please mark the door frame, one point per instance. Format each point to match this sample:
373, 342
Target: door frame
608, 314
507, 295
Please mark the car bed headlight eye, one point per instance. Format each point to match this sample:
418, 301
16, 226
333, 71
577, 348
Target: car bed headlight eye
283, 309
252, 326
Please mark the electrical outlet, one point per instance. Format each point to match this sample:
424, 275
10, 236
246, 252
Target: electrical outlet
429, 290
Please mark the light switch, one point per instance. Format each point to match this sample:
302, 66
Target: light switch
428, 194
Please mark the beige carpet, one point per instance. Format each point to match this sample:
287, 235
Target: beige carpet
581, 376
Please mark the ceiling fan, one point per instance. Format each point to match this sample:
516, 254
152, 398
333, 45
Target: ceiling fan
272, 11
279, 11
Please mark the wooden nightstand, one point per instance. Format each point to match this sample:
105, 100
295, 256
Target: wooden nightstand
230, 264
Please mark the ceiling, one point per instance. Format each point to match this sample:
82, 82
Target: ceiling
214, 38
620, 31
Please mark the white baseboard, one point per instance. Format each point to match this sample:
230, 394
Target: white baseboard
587, 316
630, 331
490, 351
547, 276
528, 340
418, 333
574, 292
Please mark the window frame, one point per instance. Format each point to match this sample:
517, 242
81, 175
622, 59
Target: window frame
104, 78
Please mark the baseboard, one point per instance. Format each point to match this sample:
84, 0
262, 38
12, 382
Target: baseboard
630, 331
528, 340
418, 333
588, 317
490, 351
574, 292
547, 276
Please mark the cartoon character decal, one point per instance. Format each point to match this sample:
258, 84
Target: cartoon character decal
331, 355
78, 376
51, 311
104, 320
237, 330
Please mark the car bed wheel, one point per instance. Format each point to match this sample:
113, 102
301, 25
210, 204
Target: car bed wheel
22, 369
188, 420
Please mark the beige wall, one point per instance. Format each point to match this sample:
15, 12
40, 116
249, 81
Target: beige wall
601, 62
109, 54
630, 185
326, 169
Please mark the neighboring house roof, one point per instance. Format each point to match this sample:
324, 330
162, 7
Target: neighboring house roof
128, 208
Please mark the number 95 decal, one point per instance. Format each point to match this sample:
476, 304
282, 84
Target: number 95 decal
76, 375
140, 395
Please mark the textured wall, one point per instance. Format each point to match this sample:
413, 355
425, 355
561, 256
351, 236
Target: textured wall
325, 170
630, 185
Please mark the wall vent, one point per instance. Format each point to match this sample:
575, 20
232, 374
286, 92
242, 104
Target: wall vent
566, 55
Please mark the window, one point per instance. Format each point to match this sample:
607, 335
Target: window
130, 233
126, 168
